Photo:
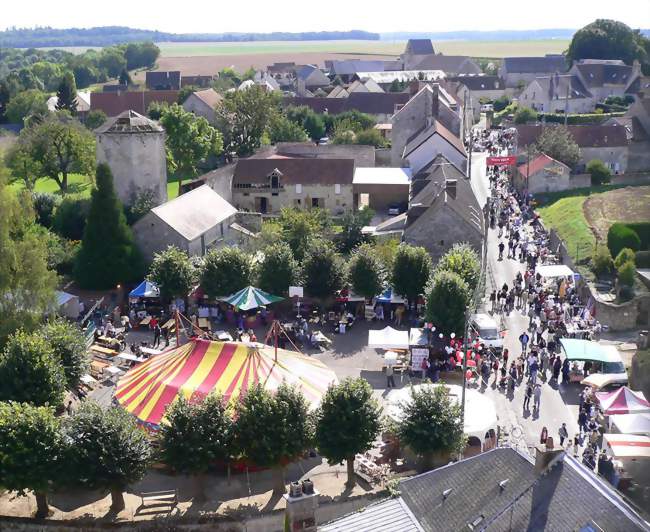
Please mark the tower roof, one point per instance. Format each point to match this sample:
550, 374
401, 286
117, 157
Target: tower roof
130, 122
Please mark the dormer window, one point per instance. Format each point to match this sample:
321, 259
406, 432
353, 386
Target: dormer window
274, 178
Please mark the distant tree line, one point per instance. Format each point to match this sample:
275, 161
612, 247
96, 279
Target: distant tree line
110, 35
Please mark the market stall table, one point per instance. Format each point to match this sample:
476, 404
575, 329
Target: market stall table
130, 357
623, 401
150, 351
223, 336
388, 338
626, 445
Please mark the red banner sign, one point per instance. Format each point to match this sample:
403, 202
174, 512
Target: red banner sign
509, 160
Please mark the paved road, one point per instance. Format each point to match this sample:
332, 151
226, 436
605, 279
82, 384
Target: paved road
557, 404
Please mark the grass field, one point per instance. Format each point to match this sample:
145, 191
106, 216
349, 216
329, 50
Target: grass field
392, 48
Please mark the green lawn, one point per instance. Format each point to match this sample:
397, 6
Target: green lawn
76, 182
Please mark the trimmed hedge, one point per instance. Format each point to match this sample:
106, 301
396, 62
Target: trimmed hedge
577, 119
621, 236
642, 229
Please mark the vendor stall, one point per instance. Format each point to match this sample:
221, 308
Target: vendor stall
146, 289
622, 401
592, 357
67, 305
628, 446
550, 271
250, 298
631, 424
388, 338
419, 347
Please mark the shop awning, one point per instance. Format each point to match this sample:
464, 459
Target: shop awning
388, 338
145, 289
622, 401
201, 367
576, 349
250, 297
389, 296
627, 445
631, 423
554, 270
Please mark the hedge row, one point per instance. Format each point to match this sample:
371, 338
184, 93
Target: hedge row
635, 236
577, 119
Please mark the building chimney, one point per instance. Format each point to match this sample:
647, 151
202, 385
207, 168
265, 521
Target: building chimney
546, 456
450, 187
302, 503
435, 104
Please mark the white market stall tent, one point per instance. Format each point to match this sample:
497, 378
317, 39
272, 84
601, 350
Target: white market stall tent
388, 338
554, 270
631, 423
68, 305
626, 445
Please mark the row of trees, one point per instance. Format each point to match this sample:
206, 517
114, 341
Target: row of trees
104, 449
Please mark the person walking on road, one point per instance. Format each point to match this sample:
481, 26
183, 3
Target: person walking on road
529, 394
390, 380
501, 248
524, 339
537, 395
564, 434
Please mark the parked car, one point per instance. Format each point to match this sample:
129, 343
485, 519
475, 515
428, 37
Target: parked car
394, 209
324, 141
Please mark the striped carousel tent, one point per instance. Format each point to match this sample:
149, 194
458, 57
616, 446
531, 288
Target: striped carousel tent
201, 367
250, 297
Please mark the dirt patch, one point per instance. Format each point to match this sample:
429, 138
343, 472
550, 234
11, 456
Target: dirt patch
630, 204
206, 65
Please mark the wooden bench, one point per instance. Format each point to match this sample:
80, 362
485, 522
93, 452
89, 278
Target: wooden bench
164, 497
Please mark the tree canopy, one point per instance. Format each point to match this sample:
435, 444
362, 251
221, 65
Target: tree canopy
173, 272
225, 271
108, 254
66, 95
347, 422
26, 104
278, 270
463, 260
599, 172
31, 446
447, 297
411, 271
365, 271
300, 228
323, 270
69, 347
30, 371
558, 142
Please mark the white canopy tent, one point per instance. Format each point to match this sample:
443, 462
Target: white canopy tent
554, 270
67, 304
631, 423
626, 445
388, 338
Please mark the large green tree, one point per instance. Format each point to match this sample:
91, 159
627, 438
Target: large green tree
30, 372
352, 234
277, 270
196, 435
608, 39
558, 142
463, 260
173, 272
69, 347
107, 450
189, 140
108, 254
365, 272
347, 422
272, 429
24, 168
447, 298
225, 271
411, 271
26, 283
26, 104
323, 270
66, 95
281, 129
62, 146
300, 228
31, 446
244, 116
431, 422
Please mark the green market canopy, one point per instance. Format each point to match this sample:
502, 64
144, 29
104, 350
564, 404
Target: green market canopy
250, 297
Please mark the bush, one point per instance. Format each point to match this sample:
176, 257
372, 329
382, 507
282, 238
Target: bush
626, 274
45, 206
70, 218
599, 172
621, 236
642, 259
642, 229
601, 260
501, 103
625, 255
524, 115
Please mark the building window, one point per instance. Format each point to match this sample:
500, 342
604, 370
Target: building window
337, 189
298, 188
315, 202
275, 181
275, 194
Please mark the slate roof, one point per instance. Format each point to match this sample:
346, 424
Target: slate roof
129, 122
531, 65
599, 73
295, 171
419, 138
352, 66
556, 87
566, 497
195, 212
387, 516
373, 103
163, 80
589, 136
419, 47
480, 83
114, 103
447, 63
312, 76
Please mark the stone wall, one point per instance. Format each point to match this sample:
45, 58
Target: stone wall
337, 204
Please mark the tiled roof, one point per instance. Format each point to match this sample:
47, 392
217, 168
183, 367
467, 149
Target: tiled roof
387, 516
446, 63
538, 163
209, 96
419, 138
129, 122
590, 136
295, 171
597, 74
114, 103
532, 65
480, 83
419, 46
352, 66
366, 102
558, 86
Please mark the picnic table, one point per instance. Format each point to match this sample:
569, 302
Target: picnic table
103, 350
150, 351
223, 336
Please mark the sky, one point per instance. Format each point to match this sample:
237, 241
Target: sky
215, 16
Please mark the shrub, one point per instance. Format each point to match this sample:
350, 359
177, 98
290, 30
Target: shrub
625, 255
45, 206
601, 260
642, 259
599, 172
642, 229
501, 103
70, 218
524, 115
626, 274
621, 236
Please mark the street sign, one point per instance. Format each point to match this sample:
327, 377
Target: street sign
508, 160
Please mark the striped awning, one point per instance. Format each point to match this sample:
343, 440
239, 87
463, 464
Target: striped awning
250, 297
201, 367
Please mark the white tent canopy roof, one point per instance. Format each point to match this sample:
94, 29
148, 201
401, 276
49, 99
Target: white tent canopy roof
627, 445
632, 423
554, 270
388, 338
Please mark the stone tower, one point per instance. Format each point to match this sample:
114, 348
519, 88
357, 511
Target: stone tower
134, 148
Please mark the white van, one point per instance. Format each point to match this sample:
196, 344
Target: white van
484, 328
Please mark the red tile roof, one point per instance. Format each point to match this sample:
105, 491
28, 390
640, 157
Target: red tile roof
114, 103
535, 165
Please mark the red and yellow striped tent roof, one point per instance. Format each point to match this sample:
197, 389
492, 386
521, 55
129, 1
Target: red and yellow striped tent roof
201, 367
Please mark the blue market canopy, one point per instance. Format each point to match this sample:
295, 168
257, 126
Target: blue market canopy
389, 296
145, 289
250, 297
